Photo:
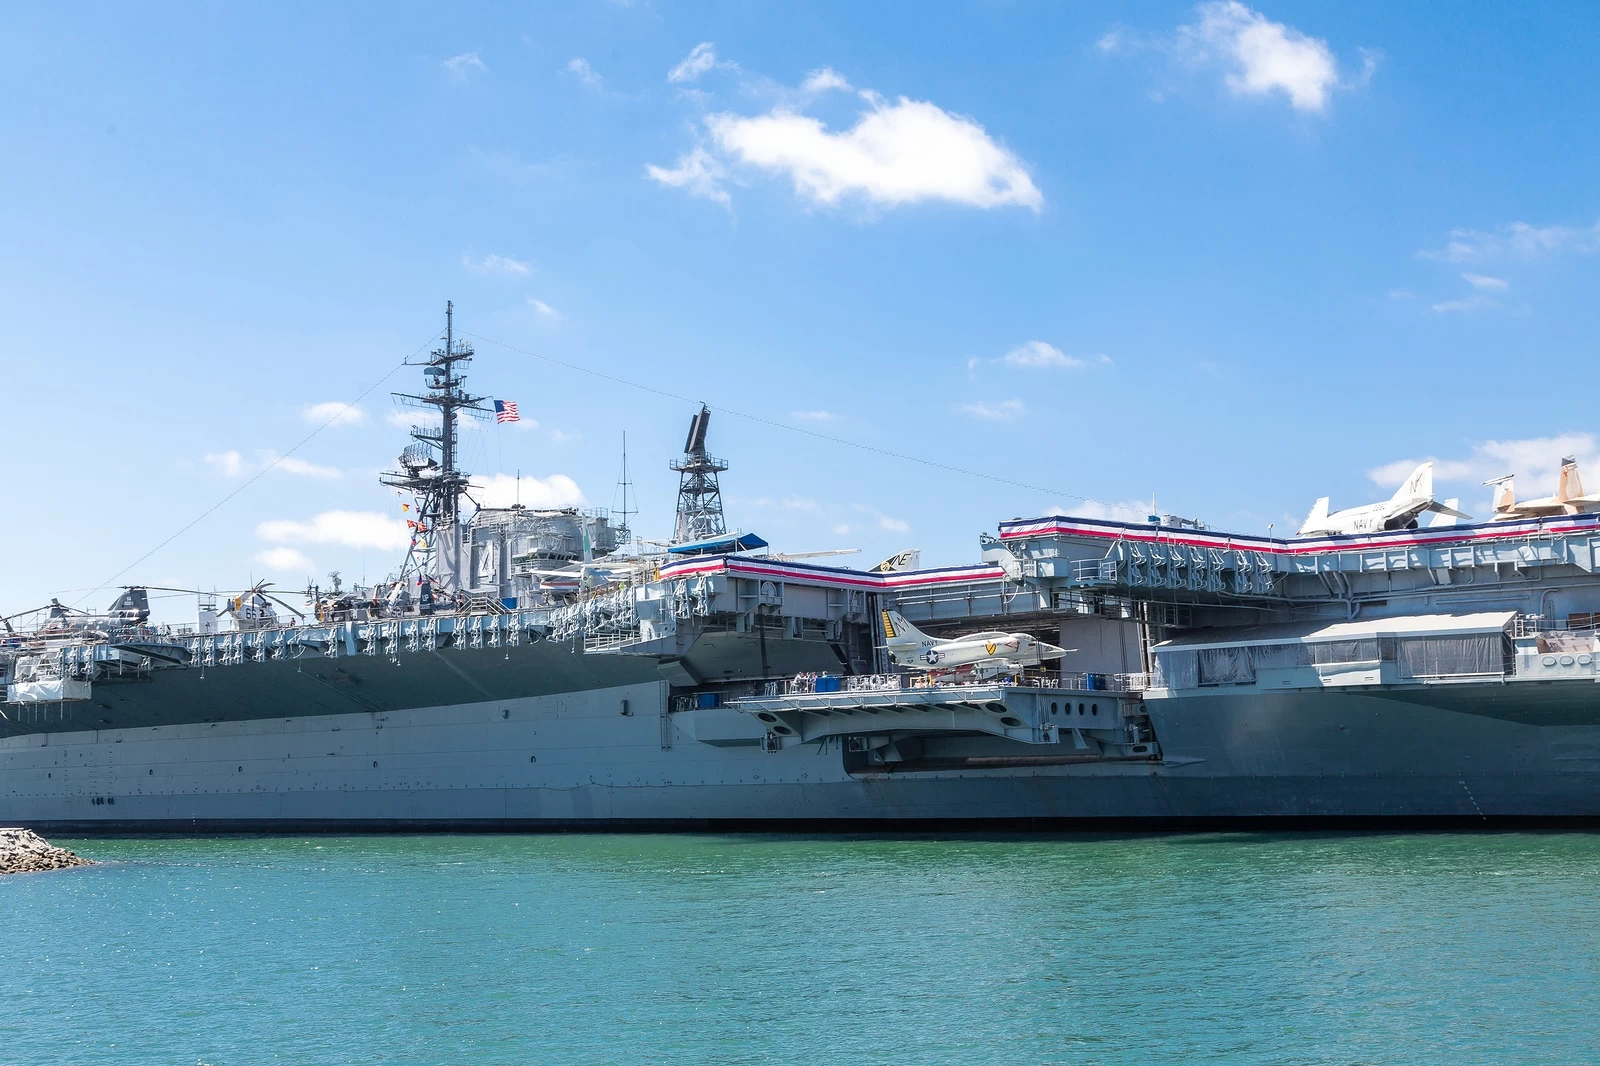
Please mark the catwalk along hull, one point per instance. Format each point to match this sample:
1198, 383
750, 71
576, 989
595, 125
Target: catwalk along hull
617, 756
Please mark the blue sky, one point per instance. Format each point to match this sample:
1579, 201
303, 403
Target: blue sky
1237, 257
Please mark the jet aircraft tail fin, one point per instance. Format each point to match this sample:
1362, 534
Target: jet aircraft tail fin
898, 633
1570, 486
1314, 520
1505, 497
1418, 486
1447, 514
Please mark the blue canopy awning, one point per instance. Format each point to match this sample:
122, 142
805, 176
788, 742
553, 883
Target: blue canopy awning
723, 545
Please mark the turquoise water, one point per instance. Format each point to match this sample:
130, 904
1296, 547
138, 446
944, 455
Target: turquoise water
630, 949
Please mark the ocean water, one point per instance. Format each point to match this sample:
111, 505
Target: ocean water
1247, 948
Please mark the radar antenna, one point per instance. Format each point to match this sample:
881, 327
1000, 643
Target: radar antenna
625, 487
699, 495
428, 465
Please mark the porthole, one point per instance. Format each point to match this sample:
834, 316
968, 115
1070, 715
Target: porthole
1567, 660
1094, 708
1549, 660
533, 758
1054, 709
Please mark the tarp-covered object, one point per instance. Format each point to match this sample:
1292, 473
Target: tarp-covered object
46, 691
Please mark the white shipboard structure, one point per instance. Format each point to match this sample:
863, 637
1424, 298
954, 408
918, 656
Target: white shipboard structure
1400, 511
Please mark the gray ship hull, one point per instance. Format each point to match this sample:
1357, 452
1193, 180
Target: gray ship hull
616, 756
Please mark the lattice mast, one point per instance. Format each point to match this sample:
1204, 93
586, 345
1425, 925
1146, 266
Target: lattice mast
699, 495
429, 469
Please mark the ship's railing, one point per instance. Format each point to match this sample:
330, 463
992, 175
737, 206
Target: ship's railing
1533, 625
808, 684
1095, 682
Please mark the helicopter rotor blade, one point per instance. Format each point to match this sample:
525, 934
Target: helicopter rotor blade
292, 610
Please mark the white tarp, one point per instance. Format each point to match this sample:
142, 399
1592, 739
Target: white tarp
46, 691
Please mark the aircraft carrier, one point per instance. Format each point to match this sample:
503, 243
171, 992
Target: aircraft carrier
525, 669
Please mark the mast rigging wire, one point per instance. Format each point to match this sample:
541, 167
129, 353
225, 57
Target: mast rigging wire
933, 463
259, 474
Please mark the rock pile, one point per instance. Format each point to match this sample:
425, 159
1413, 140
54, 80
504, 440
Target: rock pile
23, 851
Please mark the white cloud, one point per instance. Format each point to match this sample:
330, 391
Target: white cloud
698, 173
1110, 42
464, 65
699, 60
1038, 354
579, 68
353, 529
228, 464
1475, 302
1483, 281
558, 437
1402, 294
804, 504
502, 490
232, 464
334, 414
884, 522
543, 309
1518, 240
290, 465
1535, 460
1117, 511
903, 152
406, 419
996, 410
286, 559
1263, 56
813, 416
821, 81
497, 264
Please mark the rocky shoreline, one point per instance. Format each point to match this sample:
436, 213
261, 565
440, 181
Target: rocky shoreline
22, 851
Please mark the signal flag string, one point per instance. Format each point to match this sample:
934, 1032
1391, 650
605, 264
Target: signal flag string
933, 463
203, 515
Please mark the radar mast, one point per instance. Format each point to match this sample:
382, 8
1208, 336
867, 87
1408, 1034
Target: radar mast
428, 466
699, 495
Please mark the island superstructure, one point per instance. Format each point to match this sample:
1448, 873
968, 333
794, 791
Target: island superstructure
527, 668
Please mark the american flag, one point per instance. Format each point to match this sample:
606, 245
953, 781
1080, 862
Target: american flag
506, 411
